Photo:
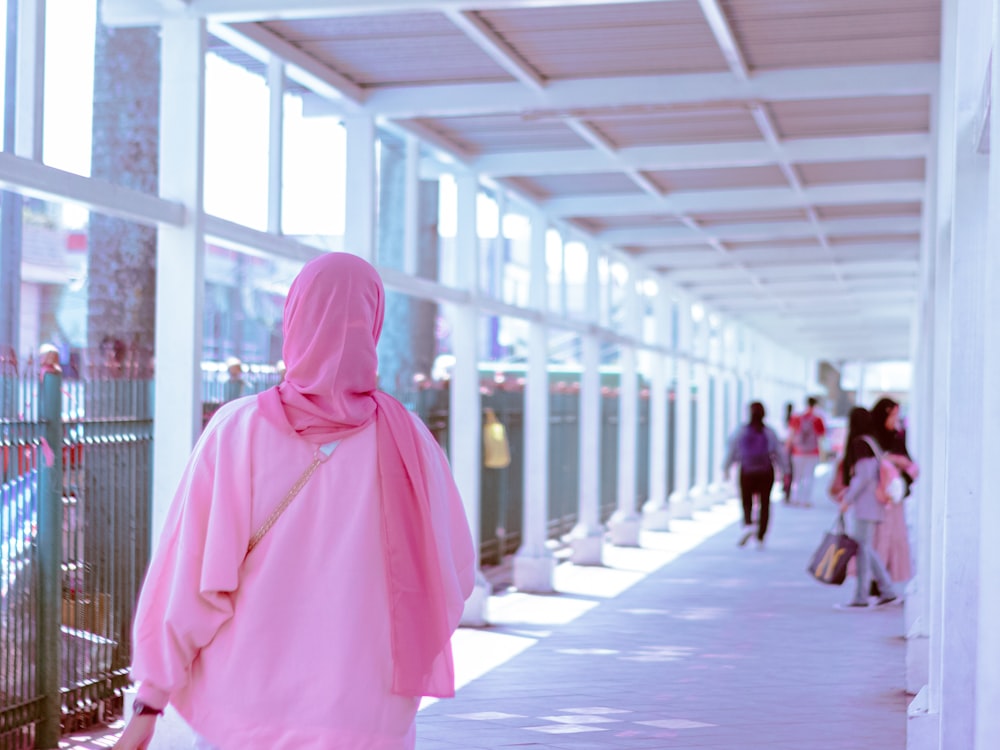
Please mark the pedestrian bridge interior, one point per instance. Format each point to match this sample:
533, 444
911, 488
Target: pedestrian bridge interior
695, 196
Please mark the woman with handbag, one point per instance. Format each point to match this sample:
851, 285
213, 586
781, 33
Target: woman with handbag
861, 475
316, 557
892, 540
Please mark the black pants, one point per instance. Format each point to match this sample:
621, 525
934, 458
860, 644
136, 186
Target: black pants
757, 483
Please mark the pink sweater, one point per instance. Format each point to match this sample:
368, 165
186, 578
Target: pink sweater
290, 647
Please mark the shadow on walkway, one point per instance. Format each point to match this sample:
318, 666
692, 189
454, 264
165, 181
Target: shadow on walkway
686, 642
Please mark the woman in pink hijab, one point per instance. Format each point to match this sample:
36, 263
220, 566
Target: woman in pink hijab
328, 631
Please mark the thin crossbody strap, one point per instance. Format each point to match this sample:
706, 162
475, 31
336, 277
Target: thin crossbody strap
292, 492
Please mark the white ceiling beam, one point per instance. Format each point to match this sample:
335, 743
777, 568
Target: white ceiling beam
759, 231
743, 199
769, 274
484, 37
725, 37
583, 97
144, 13
764, 256
704, 155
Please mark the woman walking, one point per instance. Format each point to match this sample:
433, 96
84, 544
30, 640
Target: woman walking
755, 447
316, 556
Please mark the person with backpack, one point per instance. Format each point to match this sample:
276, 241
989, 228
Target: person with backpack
805, 430
756, 448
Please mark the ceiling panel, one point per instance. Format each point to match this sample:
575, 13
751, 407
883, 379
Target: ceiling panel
406, 49
499, 133
548, 186
717, 179
741, 217
838, 117
808, 33
710, 125
875, 170
868, 209
597, 41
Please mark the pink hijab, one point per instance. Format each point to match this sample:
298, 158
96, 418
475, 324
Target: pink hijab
333, 318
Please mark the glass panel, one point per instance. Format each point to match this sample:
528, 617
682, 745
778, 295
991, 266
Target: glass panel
314, 176
390, 179
69, 85
516, 249
502, 378
564, 441
604, 291
3, 59
620, 288
490, 250
575, 260
241, 344
447, 228
236, 142
555, 271
430, 244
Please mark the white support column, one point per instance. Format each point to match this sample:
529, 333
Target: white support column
360, 204
917, 601
30, 78
465, 405
656, 511
534, 564
954, 665
681, 504
411, 206
718, 488
587, 538
625, 521
702, 493
276, 143
180, 259
987, 689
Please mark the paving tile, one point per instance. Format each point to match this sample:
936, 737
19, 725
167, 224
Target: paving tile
717, 648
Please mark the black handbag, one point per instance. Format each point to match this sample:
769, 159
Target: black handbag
829, 561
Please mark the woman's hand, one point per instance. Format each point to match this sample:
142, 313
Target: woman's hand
138, 733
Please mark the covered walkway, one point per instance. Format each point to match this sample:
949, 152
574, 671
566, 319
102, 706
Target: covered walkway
687, 642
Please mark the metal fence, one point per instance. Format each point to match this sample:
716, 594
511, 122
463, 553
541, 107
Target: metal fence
74, 531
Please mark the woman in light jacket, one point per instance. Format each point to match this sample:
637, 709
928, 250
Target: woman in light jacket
861, 475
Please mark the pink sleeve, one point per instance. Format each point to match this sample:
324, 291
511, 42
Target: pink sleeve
186, 596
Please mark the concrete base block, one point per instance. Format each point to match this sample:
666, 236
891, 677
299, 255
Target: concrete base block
534, 573
681, 506
922, 727
913, 609
701, 498
624, 528
918, 652
656, 517
587, 547
475, 614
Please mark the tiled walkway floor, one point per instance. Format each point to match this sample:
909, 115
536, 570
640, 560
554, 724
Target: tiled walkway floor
688, 642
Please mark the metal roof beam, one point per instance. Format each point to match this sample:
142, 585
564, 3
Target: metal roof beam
760, 231
593, 96
704, 155
144, 13
749, 199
